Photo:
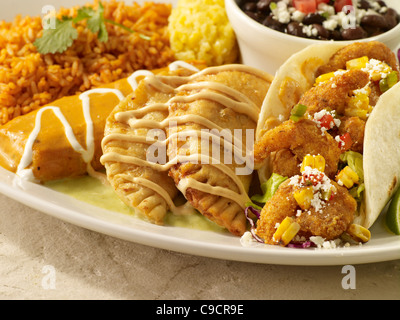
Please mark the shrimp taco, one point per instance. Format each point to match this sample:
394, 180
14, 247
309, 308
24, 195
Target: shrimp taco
325, 143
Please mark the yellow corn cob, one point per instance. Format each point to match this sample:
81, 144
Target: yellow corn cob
357, 63
303, 197
359, 233
324, 77
286, 231
315, 162
348, 177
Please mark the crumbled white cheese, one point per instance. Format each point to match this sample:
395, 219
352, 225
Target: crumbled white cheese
298, 16
321, 183
321, 243
330, 24
310, 31
246, 240
281, 12
375, 67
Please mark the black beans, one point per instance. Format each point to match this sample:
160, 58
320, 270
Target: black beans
353, 33
323, 34
275, 15
391, 18
264, 6
312, 18
373, 20
295, 29
270, 22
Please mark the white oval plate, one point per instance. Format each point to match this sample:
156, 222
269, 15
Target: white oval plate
382, 247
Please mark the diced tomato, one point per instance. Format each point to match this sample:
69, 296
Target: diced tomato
339, 4
305, 6
326, 121
313, 178
345, 142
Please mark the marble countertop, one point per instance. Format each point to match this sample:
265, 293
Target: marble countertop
42, 257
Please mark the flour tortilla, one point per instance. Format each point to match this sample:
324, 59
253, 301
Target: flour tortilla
382, 154
382, 133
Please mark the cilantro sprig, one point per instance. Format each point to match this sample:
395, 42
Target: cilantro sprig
62, 36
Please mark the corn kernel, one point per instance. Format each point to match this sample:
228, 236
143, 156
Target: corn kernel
359, 233
357, 63
324, 77
290, 233
359, 101
286, 231
348, 177
358, 106
319, 163
303, 197
315, 162
282, 228
353, 112
308, 161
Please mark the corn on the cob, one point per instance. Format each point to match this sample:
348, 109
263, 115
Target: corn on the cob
303, 197
359, 233
348, 177
315, 162
286, 231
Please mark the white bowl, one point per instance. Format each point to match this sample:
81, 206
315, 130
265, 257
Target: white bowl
267, 49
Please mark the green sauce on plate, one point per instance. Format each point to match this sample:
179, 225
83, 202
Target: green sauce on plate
92, 191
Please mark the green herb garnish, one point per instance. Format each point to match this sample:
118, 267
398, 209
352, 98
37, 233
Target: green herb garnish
60, 38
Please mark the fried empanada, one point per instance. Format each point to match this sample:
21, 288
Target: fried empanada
221, 105
138, 175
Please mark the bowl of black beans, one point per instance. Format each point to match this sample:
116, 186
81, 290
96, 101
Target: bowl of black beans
270, 31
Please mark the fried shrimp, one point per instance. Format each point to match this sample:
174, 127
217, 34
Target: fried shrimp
373, 50
355, 127
329, 222
335, 93
300, 139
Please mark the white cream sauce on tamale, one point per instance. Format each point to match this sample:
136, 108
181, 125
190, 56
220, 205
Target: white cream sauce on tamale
208, 90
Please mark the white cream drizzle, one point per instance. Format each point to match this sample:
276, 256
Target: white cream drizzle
87, 154
212, 91
205, 90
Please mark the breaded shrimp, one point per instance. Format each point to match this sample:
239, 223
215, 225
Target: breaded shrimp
372, 49
355, 127
334, 94
300, 138
329, 222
